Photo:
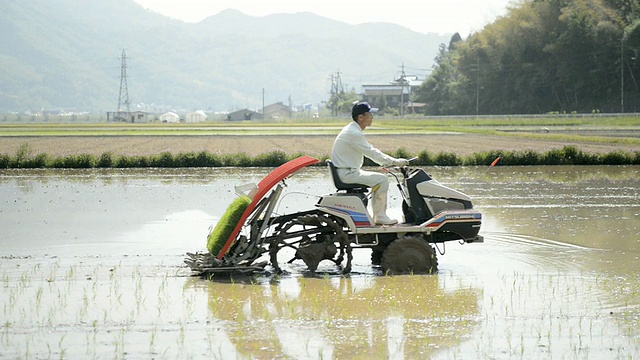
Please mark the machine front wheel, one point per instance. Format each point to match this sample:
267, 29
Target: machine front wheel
409, 255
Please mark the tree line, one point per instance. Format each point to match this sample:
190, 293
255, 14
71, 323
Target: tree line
543, 56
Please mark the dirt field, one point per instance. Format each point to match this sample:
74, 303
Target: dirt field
318, 145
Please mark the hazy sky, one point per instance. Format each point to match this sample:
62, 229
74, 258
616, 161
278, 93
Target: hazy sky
424, 16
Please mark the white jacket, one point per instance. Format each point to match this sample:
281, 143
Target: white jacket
350, 148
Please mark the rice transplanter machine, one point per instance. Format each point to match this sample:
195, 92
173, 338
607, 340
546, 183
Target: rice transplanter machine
339, 222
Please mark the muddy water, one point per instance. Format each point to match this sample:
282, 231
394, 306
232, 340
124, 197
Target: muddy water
92, 268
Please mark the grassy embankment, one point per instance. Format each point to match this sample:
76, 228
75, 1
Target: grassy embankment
558, 129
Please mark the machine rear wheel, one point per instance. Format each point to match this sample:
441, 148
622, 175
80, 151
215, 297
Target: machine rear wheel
409, 255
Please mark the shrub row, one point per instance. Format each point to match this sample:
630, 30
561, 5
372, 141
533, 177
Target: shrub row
23, 159
568, 155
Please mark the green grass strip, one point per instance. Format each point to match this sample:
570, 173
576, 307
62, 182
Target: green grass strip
567, 155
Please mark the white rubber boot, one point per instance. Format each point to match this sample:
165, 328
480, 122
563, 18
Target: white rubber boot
379, 207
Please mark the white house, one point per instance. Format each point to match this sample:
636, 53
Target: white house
170, 117
196, 117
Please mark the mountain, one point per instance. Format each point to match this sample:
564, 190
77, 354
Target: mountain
67, 54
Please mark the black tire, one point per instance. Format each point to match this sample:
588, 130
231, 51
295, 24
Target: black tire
409, 255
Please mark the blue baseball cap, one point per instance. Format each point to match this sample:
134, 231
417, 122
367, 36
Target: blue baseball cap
362, 107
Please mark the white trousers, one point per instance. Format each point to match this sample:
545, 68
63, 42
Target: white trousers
369, 178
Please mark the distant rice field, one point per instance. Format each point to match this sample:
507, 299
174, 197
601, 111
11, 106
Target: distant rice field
315, 136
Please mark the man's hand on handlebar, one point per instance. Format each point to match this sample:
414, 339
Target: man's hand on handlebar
401, 162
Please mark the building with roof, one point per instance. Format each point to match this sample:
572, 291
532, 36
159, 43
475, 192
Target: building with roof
244, 114
396, 94
277, 110
170, 117
196, 117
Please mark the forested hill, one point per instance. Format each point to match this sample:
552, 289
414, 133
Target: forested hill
66, 54
543, 56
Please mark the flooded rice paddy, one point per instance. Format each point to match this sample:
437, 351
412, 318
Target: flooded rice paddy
92, 267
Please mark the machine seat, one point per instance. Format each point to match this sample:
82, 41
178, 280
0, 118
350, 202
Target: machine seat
350, 188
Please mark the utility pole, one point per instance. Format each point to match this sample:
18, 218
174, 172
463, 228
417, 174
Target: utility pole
123, 96
477, 86
622, 73
332, 98
336, 93
403, 79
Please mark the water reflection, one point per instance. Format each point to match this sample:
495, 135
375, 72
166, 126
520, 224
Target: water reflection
339, 317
